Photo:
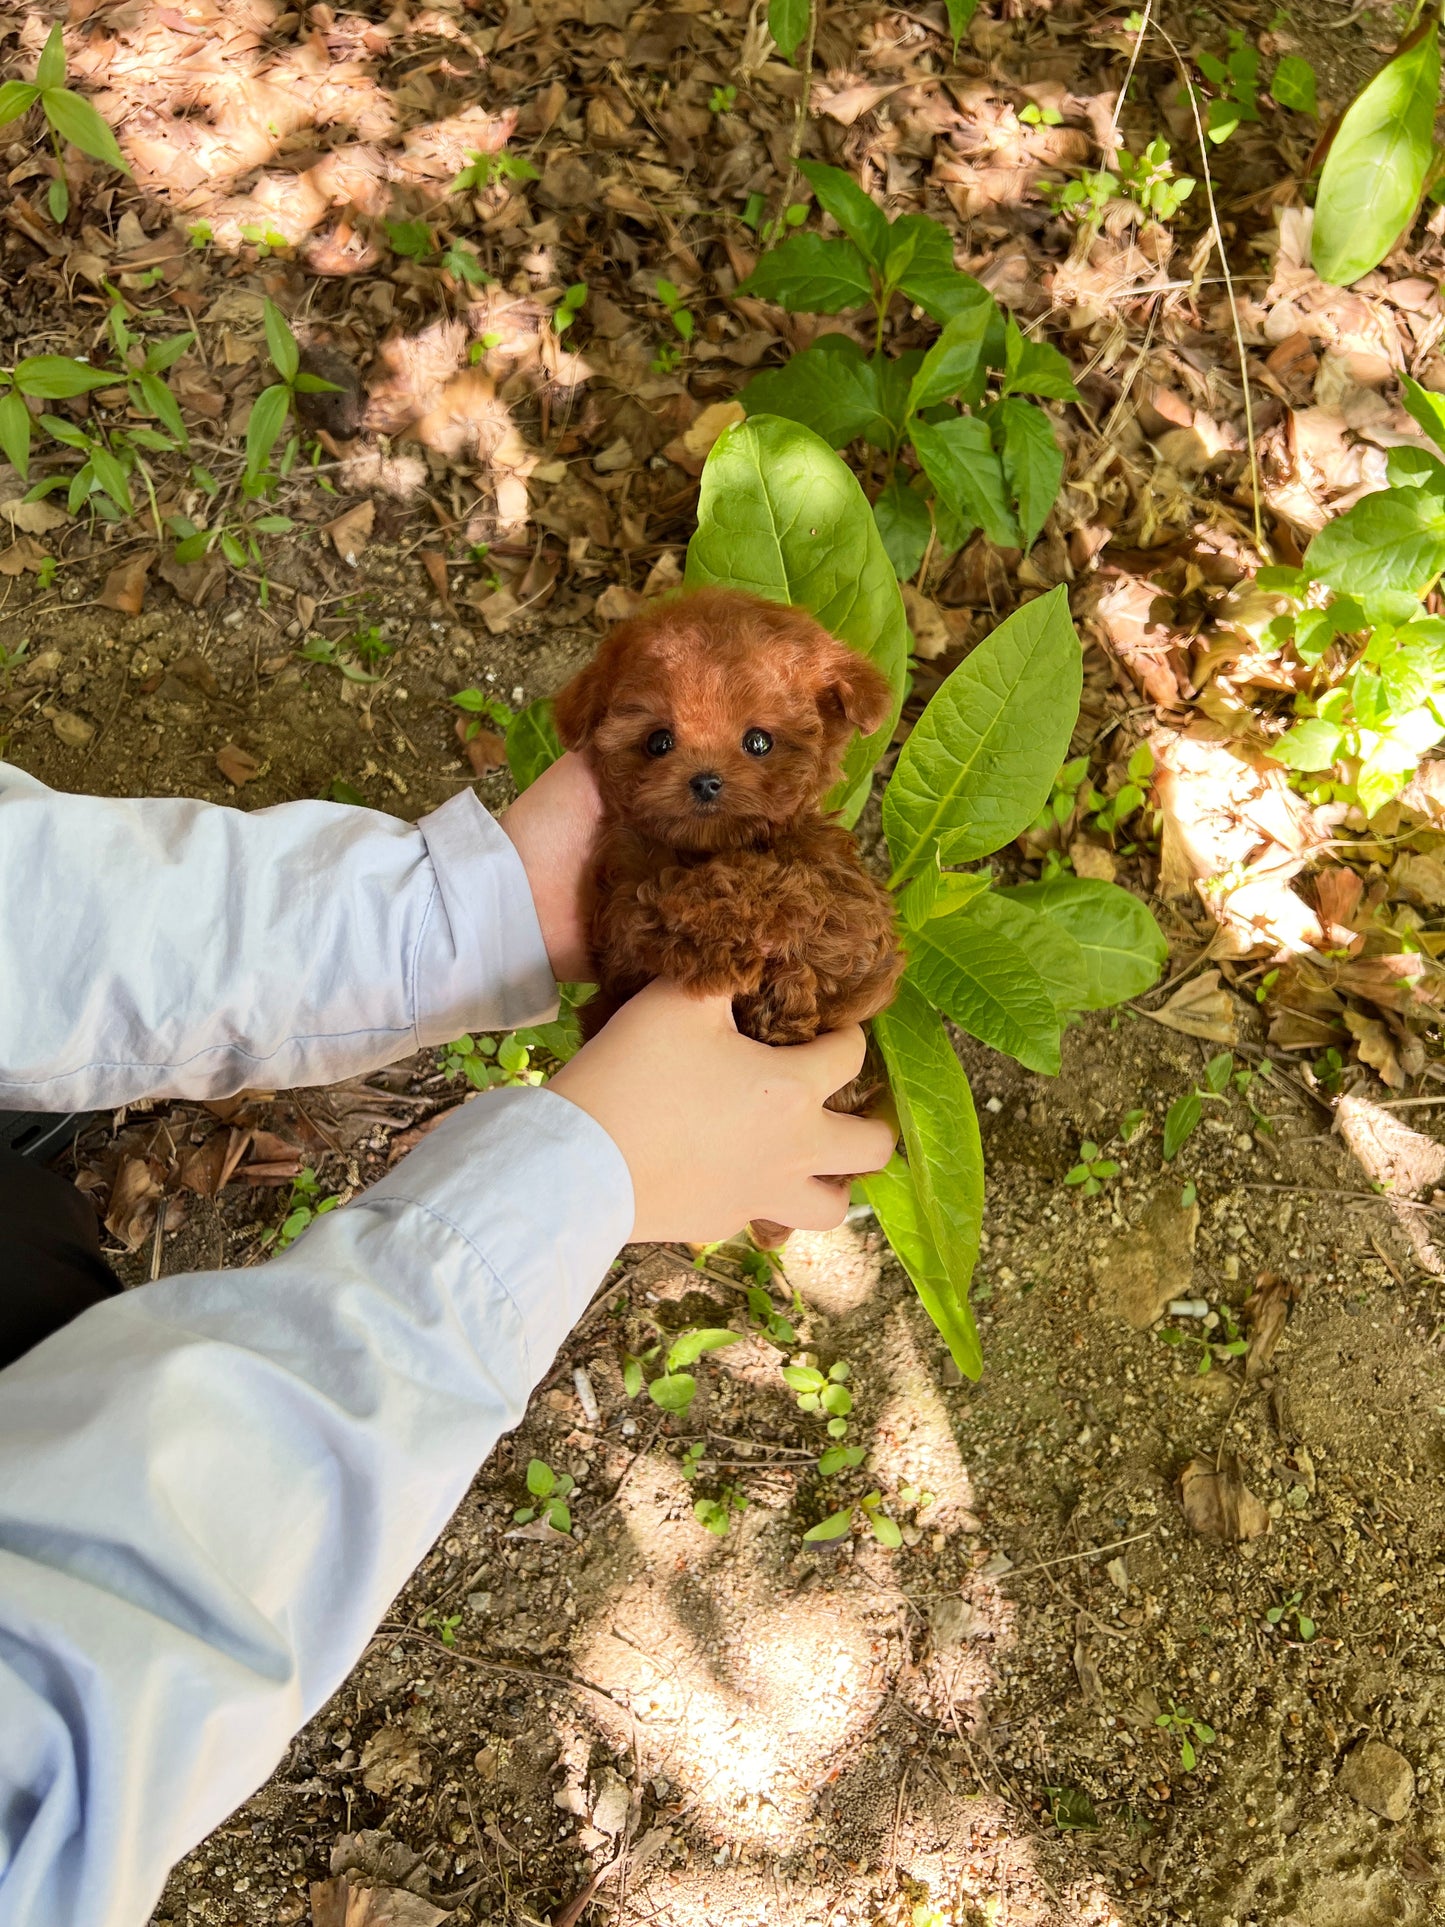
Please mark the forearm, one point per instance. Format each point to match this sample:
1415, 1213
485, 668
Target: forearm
211, 1488
169, 948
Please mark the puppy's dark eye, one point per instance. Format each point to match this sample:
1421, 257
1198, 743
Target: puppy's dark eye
757, 742
659, 742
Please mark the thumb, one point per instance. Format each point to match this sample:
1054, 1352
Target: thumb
669, 999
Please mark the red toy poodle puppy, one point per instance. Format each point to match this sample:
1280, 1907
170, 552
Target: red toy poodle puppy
715, 724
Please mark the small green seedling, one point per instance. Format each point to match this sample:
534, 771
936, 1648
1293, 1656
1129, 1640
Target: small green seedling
1236, 83
1213, 1350
822, 1392
200, 234
1294, 86
482, 708
1086, 197
566, 311
767, 1319
722, 100
792, 216
9, 660
917, 1496
1189, 1731
1290, 1609
462, 261
716, 1515
692, 1458
1149, 179
482, 170
338, 790
1329, 1071
265, 240
490, 1062
676, 1388
369, 645
1071, 1809
840, 1458
1035, 116
885, 1530
551, 1490
1185, 1112
412, 240
303, 1207
1092, 1171
1111, 811
68, 116
272, 406
324, 649
1132, 1123
446, 1628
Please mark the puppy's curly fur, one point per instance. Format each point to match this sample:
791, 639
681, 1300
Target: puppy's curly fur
715, 725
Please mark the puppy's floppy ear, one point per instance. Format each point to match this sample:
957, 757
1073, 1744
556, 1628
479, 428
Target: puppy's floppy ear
579, 706
852, 694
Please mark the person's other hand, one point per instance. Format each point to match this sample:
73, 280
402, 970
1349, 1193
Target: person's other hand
552, 825
717, 1130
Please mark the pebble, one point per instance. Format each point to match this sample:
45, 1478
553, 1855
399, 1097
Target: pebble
1381, 1778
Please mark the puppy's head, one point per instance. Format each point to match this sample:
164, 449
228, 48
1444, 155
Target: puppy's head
713, 720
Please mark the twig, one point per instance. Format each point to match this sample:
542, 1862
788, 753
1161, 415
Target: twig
1069, 1558
1358, 1197
800, 119
1229, 287
563, 1681
1133, 63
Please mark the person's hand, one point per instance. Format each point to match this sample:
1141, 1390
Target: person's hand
717, 1130
552, 825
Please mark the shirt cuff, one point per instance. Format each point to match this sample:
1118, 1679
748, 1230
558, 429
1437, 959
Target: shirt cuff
538, 1190
481, 963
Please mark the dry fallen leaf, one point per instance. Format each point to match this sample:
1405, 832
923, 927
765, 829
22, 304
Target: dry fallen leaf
125, 586
132, 1214
1201, 1008
1265, 1312
485, 750
392, 1760
346, 1903
209, 1168
237, 765
33, 518
616, 604
435, 564
1376, 1047
1218, 1505
931, 635
351, 532
22, 555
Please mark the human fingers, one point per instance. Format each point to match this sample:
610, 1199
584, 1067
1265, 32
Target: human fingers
817, 1205
831, 1060
850, 1146
662, 1000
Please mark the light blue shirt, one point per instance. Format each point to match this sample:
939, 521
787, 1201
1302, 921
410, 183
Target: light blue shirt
212, 1487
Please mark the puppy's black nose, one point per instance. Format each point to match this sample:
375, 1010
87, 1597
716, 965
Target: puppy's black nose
706, 786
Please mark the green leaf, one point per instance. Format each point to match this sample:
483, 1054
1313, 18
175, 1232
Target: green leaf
50, 71
540, 1479
831, 388
917, 248
884, 1529
1033, 462
1184, 1115
163, 405
1124, 949
674, 1393
17, 97
901, 517
532, 742
1392, 539
57, 377
803, 1378
1427, 409
980, 763
76, 121
954, 365
1315, 744
281, 344
1293, 85
110, 473
937, 893
1217, 1072
808, 275
1034, 368
780, 515
15, 432
859, 216
935, 1215
788, 24
836, 1526
1054, 953
982, 978
631, 1377
958, 458
960, 13
57, 199
268, 418
1377, 164
942, 291
689, 1346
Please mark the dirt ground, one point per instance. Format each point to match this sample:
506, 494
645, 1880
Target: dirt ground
962, 1730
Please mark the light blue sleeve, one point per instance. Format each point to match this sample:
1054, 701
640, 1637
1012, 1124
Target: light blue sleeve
212, 1487
169, 948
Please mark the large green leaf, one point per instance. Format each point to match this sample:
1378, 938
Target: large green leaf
15, 433
57, 377
980, 975
960, 12
781, 516
954, 365
1376, 167
532, 742
1123, 948
17, 97
1034, 368
1033, 462
281, 344
980, 763
859, 216
901, 516
939, 1213
1427, 408
76, 121
1055, 955
788, 24
831, 388
810, 275
917, 247
50, 70
1392, 539
268, 418
958, 458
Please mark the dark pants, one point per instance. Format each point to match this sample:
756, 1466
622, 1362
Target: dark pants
50, 1264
